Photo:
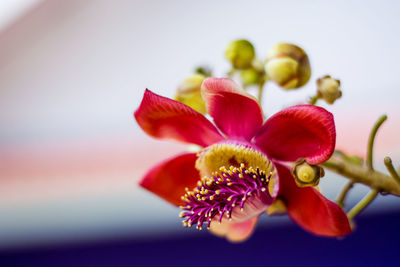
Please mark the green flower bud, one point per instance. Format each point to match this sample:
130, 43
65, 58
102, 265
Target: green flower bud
329, 89
250, 76
288, 66
189, 93
306, 174
240, 53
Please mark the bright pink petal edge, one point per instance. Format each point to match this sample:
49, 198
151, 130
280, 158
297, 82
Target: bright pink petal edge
236, 113
303, 131
165, 118
169, 178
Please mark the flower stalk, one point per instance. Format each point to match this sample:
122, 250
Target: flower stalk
390, 168
371, 140
362, 204
361, 174
342, 196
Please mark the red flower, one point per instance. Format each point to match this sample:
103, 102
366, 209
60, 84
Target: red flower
241, 169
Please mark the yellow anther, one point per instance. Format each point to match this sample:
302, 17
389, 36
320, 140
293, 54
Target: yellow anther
263, 189
242, 165
217, 192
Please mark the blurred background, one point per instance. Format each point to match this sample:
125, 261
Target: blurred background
71, 75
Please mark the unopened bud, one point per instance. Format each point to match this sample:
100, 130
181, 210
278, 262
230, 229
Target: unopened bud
328, 89
189, 93
240, 53
250, 76
288, 66
306, 174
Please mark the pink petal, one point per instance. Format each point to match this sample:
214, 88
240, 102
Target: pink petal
234, 231
169, 178
310, 209
236, 113
165, 118
299, 132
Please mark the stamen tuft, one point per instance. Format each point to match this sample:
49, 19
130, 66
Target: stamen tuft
217, 196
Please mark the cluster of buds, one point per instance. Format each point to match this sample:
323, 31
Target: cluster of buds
287, 65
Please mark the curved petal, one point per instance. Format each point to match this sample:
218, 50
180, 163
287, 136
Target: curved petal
165, 118
169, 178
304, 131
310, 209
234, 231
236, 113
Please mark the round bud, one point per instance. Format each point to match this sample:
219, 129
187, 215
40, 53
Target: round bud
240, 53
288, 66
306, 174
329, 89
250, 76
189, 93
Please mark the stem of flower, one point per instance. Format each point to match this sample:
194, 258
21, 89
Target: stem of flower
362, 204
372, 139
260, 92
313, 100
390, 168
342, 196
361, 174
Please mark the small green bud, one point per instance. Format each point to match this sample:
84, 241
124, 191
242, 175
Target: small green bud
288, 66
329, 89
240, 53
189, 93
250, 76
306, 174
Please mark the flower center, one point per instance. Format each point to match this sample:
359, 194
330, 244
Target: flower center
232, 153
237, 193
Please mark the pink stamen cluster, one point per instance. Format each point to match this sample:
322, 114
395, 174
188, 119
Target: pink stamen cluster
221, 193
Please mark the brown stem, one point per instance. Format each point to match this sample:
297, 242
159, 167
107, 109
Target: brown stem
359, 174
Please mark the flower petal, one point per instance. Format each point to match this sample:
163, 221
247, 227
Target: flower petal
169, 178
310, 209
165, 118
303, 131
236, 113
234, 231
